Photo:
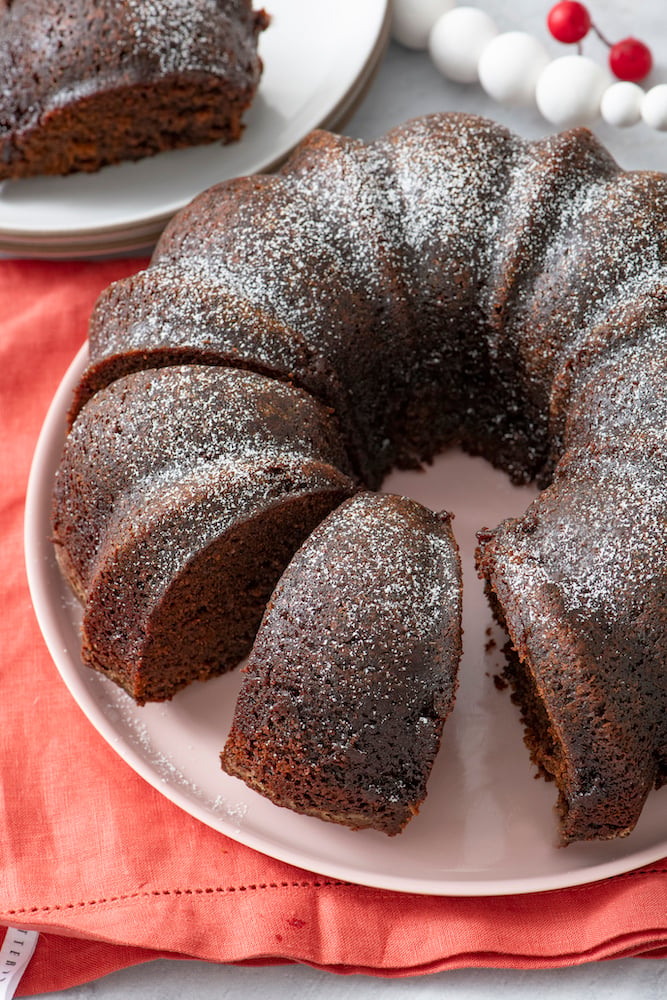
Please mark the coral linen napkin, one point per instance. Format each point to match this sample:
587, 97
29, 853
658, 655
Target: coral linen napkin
113, 874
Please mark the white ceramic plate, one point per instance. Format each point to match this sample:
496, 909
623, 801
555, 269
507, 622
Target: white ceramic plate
318, 59
487, 826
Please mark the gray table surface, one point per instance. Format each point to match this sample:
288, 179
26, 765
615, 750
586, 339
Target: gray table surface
407, 85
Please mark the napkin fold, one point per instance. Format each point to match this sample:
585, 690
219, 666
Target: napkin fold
113, 874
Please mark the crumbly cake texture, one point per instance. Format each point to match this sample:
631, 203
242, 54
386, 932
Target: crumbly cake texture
354, 668
453, 284
179, 500
84, 85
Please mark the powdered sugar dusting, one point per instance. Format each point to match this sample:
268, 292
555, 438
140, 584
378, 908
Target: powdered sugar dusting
377, 589
129, 725
307, 229
599, 545
182, 36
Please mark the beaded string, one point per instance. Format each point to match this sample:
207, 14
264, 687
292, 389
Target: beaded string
515, 68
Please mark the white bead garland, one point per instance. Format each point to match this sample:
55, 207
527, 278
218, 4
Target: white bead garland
569, 91
514, 68
412, 20
510, 66
457, 41
621, 104
654, 107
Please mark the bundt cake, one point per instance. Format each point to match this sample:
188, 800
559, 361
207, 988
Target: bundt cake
180, 497
86, 84
353, 671
453, 284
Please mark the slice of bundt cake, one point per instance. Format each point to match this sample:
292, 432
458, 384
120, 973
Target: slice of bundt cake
87, 84
354, 668
181, 496
579, 582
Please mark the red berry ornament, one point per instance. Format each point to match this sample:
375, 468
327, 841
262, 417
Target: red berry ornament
630, 59
569, 22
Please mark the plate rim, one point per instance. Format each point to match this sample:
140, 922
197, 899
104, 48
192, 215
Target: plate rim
45, 457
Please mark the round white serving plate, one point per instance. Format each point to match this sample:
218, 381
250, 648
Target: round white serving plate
487, 826
319, 58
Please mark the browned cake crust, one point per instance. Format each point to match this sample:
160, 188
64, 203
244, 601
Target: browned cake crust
451, 283
353, 671
87, 84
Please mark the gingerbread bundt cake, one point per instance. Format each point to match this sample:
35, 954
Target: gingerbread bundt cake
88, 84
451, 283
353, 671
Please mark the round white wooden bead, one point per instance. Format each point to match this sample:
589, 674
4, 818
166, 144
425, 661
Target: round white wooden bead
570, 89
654, 107
412, 20
457, 41
509, 67
621, 104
